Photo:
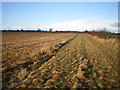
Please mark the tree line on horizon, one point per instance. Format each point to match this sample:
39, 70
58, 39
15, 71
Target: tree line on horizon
39, 30
104, 30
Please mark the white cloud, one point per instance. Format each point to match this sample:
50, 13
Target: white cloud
1, 27
81, 25
17, 27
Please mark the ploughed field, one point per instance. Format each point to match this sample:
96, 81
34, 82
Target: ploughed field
58, 60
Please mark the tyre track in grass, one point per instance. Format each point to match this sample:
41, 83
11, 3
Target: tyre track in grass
104, 61
82, 63
104, 53
108, 53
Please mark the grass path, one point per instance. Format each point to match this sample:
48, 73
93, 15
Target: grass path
83, 62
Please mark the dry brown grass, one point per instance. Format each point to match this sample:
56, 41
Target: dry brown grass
111, 42
84, 62
21, 56
18, 47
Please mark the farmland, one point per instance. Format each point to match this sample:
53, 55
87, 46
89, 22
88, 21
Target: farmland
59, 60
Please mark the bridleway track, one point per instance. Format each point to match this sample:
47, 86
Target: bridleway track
83, 62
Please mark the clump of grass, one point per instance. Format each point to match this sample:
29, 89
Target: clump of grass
52, 83
21, 86
88, 77
41, 81
22, 74
77, 85
84, 67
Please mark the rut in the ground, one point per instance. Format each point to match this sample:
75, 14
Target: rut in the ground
83, 62
14, 76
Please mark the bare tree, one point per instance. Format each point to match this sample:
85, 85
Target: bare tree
22, 30
39, 30
50, 29
104, 29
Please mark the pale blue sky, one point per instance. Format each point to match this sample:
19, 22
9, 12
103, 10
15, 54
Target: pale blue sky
47, 13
